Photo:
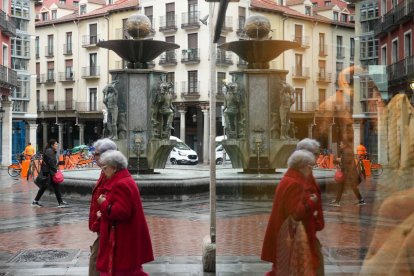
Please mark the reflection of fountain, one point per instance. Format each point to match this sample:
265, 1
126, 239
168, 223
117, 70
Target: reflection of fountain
139, 101
257, 103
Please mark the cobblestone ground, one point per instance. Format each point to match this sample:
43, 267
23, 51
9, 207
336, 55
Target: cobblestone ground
53, 241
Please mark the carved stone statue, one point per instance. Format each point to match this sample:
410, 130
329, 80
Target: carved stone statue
111, 102
232, 103
286, 102
162, 110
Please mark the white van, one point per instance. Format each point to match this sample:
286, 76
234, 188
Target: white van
221, 154
182, 154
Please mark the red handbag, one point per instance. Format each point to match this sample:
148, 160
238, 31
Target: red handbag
58, 177
339, 176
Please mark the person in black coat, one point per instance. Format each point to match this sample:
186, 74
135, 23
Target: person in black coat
48, 169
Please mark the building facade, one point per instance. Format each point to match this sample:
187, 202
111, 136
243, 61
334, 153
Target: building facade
24, 127
322, 105
8, 81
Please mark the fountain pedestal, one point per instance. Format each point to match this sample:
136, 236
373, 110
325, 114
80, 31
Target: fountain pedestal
145, 146
253, 140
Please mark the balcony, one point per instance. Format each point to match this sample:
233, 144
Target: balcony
65, 105
45, 106
340, 52
300, 73
404, 11
190, 90
168, 24
67, 49
88, 107
190, 56
6, 25
90, 72
8, 77
168, 58
224, 58
303, 41
38, 79
89, 41
190, 20
228, 24
385, 24
322, 76
68, 76
37, 52
370, 106
49, 51
323, 50
303, 107
400, 69
48, 78
324, 106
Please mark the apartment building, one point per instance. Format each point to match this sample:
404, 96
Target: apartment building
8, 81
326, 36
71, 70
24, 127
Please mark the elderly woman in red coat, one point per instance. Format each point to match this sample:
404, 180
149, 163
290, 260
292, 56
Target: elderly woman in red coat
125, 243
297, 196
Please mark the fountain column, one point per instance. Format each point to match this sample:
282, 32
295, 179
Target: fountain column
257, 103
139, 100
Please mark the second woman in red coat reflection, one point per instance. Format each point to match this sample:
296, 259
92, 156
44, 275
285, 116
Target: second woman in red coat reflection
296, 196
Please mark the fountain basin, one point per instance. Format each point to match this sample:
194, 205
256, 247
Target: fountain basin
258, 53
138, 51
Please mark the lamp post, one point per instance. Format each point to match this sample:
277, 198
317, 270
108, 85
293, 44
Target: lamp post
2, 111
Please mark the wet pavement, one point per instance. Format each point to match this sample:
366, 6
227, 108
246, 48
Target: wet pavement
54, 241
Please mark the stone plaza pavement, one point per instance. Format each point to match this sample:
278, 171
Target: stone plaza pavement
54, 241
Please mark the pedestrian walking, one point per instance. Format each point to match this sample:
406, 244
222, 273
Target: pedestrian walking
125, 242
48, 169
100, 146
351, 174
297, 201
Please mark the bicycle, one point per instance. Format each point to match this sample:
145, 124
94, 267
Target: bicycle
376, 169
34, 167
16, 167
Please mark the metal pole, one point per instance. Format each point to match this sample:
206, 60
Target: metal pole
212, 127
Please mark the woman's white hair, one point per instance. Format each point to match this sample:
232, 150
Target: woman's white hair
104, 144
308, 144
114, 159
300, 159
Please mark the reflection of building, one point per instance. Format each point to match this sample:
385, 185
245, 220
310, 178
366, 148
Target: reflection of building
325, 33
8, 81
369, 78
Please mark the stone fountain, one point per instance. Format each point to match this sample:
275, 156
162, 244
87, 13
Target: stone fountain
260, 136
139, 100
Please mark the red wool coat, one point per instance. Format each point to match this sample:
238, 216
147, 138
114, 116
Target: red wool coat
132, 239
94, 222
292, 198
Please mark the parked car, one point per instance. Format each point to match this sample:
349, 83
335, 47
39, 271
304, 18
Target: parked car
182, 153
221, 155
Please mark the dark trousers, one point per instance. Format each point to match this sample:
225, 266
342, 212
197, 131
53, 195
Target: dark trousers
341, 187
55, 188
